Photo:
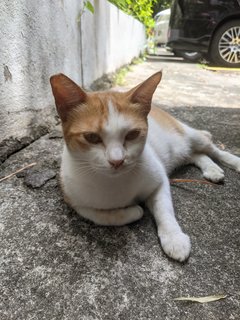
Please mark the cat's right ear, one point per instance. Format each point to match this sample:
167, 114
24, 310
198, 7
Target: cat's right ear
67, 94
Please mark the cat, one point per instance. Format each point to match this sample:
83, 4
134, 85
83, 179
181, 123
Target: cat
119, 151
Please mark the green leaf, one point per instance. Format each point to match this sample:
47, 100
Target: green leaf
89, 6
140, 9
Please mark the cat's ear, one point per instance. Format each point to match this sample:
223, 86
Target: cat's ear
142, 94
67, 94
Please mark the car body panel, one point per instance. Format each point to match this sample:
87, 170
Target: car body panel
193, 22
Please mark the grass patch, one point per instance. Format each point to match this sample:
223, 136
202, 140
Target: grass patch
120, 74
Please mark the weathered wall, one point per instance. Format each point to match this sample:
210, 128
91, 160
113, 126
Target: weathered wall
38, 39
110, 40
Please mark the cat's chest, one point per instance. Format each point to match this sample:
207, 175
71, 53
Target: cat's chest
100, 193
109, 193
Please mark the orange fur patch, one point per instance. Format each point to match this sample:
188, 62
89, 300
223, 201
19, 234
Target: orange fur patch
83, 112
93, 114
166, 120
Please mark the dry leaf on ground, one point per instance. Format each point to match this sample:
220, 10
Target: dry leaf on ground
191, 181
19, 170
202, 299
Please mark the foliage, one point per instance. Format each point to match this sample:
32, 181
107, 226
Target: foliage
119, 76
87, 4
140, 9
161, 5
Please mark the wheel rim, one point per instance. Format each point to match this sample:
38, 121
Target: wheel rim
229, 45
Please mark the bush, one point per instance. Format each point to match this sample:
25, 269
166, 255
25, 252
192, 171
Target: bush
140, 9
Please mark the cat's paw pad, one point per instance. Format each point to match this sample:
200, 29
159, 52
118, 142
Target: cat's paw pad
176, 245
214, 174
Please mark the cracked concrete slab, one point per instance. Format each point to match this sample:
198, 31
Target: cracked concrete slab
56, 265
18, 130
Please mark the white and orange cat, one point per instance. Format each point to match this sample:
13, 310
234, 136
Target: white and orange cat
119, 152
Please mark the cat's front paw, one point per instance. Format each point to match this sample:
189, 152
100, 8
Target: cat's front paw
134, 213
176, 245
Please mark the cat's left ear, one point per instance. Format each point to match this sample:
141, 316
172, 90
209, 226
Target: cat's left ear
142, 94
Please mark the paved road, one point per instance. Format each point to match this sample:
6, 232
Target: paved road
188, 84
57, 266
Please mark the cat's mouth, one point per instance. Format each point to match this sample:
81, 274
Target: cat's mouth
115, 172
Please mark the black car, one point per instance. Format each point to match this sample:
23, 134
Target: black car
210, 27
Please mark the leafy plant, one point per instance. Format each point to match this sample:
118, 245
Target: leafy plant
86, 5
161, 5
119, 76
140, 9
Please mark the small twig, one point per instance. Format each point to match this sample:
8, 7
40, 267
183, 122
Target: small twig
191, 180
19, 170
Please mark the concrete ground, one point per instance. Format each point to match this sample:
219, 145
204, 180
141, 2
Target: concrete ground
55, 265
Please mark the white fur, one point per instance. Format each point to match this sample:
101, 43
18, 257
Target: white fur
210, 170
116, 153
110, 197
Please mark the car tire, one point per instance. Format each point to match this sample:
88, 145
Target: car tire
190, 56
225, 46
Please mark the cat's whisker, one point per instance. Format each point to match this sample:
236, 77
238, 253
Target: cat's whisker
83, 171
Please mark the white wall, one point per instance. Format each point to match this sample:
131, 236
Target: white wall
37, 39
41, 38
110, 39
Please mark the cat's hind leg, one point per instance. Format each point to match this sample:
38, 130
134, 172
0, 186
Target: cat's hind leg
225, 158
202, 143
211, 171
113, 217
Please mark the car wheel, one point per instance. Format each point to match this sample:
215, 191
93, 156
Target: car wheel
225, 47
190, 56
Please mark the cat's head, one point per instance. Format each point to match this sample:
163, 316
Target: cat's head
105, 131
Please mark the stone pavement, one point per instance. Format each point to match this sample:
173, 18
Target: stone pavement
55, 265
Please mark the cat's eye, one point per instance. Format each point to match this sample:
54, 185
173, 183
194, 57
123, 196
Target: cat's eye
92, 137
132, 135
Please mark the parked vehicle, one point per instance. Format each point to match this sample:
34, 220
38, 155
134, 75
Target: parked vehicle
161, 35
210, 27
161, 27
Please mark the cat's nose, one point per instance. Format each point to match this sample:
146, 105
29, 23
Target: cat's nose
116, 163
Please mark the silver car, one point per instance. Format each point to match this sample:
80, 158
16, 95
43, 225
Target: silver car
160, 36
161, 27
